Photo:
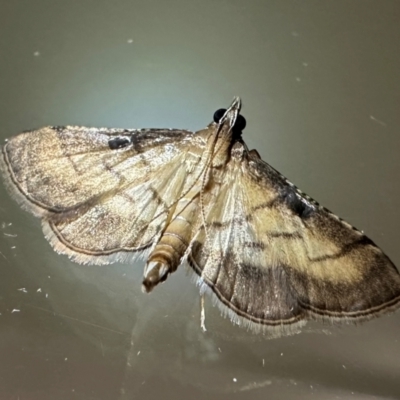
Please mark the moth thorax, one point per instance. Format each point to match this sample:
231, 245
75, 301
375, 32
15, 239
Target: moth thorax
221, 151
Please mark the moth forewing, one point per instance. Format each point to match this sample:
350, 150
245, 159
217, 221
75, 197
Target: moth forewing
271, 256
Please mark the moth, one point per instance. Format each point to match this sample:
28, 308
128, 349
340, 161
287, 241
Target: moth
271, 257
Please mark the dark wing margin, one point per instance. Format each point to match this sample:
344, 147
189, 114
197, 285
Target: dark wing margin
275, 258
260, 300
98, 191
347, 277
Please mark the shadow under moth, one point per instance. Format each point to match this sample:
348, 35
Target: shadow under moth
271, 256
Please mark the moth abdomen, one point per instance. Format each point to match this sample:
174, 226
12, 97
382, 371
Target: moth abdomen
168, 253
169, 250
164, 259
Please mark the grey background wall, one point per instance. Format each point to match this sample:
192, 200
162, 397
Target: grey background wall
320, 86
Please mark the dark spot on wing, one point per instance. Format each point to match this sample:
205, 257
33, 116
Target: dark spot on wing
296, 204
118, 143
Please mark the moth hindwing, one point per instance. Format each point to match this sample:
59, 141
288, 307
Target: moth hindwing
270, 255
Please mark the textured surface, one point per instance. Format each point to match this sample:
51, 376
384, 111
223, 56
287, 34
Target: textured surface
320, 84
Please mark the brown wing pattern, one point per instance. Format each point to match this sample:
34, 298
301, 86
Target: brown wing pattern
97, 190
274, 257
271, 255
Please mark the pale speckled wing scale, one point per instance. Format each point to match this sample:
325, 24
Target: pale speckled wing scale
270, 255
98, 191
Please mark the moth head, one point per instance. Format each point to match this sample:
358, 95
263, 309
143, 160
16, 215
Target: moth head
229, 121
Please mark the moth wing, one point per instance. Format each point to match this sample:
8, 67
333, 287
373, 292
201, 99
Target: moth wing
273, 257
102, 193
56, 169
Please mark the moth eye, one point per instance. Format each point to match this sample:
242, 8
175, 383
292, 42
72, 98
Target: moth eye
240, 123
118, 142
219, 114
